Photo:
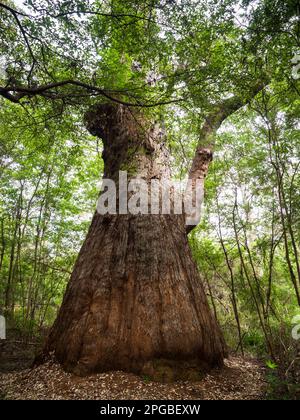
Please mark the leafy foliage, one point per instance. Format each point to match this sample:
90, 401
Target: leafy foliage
179, 60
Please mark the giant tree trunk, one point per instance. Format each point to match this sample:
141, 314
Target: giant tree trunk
135, 301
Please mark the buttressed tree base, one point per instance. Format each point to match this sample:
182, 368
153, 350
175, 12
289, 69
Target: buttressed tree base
135, 301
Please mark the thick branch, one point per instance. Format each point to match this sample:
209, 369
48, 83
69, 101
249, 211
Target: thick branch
12, 98
20, 92
204, 152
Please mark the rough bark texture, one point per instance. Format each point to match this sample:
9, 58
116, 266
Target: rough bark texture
135, 301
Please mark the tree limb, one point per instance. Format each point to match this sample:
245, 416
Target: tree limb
204, 151
15, 14
20, 92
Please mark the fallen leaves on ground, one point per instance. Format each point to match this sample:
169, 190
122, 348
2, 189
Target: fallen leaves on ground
241, 378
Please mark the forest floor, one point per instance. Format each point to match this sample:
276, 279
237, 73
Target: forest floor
242, 378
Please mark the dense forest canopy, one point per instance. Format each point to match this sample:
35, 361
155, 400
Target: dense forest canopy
230, 65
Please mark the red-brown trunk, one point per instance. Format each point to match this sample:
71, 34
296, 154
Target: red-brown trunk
135, 301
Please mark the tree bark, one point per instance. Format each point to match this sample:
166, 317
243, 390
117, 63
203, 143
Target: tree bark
135, 301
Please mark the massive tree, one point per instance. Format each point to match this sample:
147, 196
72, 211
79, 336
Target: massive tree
135, 300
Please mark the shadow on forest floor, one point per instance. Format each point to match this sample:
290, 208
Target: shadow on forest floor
17, 352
